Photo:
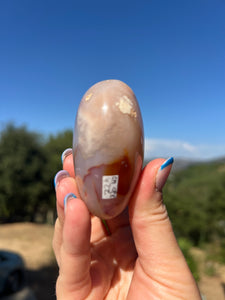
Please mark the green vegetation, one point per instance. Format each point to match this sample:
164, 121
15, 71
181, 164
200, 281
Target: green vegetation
210, 269
195, 199
28, 164
194, 196
185, 246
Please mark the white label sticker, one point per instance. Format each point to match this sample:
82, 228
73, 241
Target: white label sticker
109, 186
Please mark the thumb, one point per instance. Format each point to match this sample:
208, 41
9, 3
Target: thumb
160, 264
152, 230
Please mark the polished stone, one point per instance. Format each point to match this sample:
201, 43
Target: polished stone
108, 147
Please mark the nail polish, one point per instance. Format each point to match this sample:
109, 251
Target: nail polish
59, 176
67, 198
66, 153
163, 173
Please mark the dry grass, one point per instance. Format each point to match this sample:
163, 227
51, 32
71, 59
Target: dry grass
33, 242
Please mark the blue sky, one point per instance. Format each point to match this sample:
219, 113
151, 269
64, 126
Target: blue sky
171, 53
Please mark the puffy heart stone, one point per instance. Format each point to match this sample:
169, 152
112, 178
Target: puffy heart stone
108, 147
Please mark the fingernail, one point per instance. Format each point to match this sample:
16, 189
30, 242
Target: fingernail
59, 176
66, 153
67, 198
163, 173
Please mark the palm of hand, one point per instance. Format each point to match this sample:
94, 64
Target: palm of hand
112, 263
116, 271
94, 265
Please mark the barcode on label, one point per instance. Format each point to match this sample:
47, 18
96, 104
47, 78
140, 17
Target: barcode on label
109, 186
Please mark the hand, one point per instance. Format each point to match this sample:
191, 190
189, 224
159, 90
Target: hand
139, 260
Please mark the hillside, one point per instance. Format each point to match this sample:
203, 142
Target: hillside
195, 196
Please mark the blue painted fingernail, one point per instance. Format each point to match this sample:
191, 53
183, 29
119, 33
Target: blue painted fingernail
59, 176
66, 153
67, 198
168, 162
163, 173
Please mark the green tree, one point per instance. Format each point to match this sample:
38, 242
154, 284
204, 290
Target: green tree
54, 148
195, 198
22, 162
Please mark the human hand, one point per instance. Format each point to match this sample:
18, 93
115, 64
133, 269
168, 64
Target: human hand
139, 260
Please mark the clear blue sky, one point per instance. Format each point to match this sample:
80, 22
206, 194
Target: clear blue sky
171, 53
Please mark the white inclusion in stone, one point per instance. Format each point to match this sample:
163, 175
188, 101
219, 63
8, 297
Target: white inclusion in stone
126, 106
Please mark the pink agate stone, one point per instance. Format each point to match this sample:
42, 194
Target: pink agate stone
108, 147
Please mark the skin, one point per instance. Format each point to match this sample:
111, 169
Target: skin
139, 260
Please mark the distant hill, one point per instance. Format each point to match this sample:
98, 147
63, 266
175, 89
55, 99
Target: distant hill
180, 164
183, 163
195, 199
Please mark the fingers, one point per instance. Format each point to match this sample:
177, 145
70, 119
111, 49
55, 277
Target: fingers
69, 185
64, 185
152, 230
159, 256
71, 241
74, 278
67, 160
